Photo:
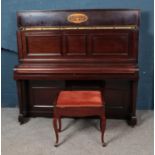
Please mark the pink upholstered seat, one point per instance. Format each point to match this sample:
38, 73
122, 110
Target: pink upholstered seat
79, 98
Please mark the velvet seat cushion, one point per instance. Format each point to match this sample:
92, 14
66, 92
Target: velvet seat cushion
79, 98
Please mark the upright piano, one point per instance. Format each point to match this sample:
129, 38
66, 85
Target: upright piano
77, 49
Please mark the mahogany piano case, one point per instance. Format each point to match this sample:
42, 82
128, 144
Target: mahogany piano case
77, 49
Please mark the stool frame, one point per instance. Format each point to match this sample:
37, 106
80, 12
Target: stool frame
87, 111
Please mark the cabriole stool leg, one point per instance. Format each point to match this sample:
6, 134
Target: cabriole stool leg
59, 120
102, 125
56, 130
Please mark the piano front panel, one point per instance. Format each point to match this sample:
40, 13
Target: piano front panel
82, 46
43, 93
117, 96
41, 44
75, 44
110, 44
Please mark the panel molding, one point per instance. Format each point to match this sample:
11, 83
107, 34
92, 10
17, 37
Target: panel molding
107, 38
75, 44
40, 51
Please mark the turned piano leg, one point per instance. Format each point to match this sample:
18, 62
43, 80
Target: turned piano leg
22, 98
132, 121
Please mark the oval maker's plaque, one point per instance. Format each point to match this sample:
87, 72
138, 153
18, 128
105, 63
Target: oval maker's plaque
77, 18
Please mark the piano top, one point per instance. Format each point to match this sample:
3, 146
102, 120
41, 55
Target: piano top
90, 17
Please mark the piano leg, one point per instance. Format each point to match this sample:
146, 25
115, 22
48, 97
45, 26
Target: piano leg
22, 119
22, 98
132, 121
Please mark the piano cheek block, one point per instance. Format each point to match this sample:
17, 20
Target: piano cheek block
54, 49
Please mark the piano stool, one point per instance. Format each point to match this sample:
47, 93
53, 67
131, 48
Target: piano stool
79, 103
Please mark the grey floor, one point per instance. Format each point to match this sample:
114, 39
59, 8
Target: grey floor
79, 137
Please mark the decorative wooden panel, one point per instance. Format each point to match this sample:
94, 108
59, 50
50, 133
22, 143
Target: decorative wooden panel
116, 94
42, 95
41, 44
42, 98
76, 44
110, 44
44, 45
117, 97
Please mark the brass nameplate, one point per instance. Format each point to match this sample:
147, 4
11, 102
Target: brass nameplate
77, 18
